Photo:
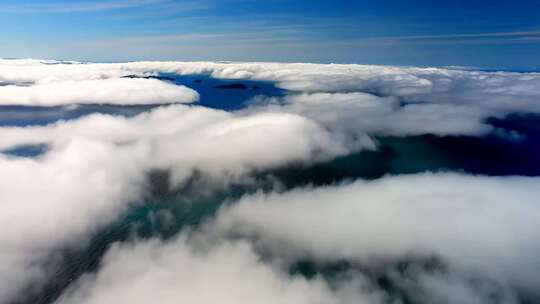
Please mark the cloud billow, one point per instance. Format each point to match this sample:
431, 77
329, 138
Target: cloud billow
483, 243
480, 230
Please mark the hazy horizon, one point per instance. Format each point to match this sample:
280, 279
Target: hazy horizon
498, 34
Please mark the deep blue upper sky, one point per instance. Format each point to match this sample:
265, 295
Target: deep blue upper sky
479, 33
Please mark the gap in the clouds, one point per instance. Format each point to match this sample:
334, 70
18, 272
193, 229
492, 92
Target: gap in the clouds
386, 276
226, 94
22, 116
494, 154
221, 93
162, 215
403, 280
29, 151
19, 84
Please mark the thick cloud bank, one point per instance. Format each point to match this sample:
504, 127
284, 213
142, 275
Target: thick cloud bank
405, 101
95, 166
464, 239
498, 91
478, 224
180, 272
51, 85
195, 138
483, 229
58, 200
362, 114
104, 91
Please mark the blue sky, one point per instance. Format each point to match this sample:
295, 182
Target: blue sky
479, 33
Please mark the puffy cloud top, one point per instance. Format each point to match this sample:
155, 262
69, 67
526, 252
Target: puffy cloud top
96, 166
103, 91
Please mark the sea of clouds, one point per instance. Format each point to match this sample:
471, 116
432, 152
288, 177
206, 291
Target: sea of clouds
481, 230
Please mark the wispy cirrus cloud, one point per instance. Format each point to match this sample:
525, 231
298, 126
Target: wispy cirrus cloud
489, 37
87, 6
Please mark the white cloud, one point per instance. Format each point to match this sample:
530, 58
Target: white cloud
477, 224
483, 228
363, 114
423, 84
196, 138
437, 101
97, 165
104, 91
59, 199
68, 7
179, 271
35, 71
503, 91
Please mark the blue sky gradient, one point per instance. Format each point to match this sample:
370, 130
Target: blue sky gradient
478, 33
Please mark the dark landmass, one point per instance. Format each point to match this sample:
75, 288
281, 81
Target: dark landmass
19, 84
163, 78
232, 86
27, 150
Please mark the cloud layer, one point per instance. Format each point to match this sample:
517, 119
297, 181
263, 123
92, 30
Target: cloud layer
187, 138
488, 246
476, 223
96, 165
106, 91
28, 82
405, 101
501, 91
57, 201
481, 229
182, 272
362, 114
